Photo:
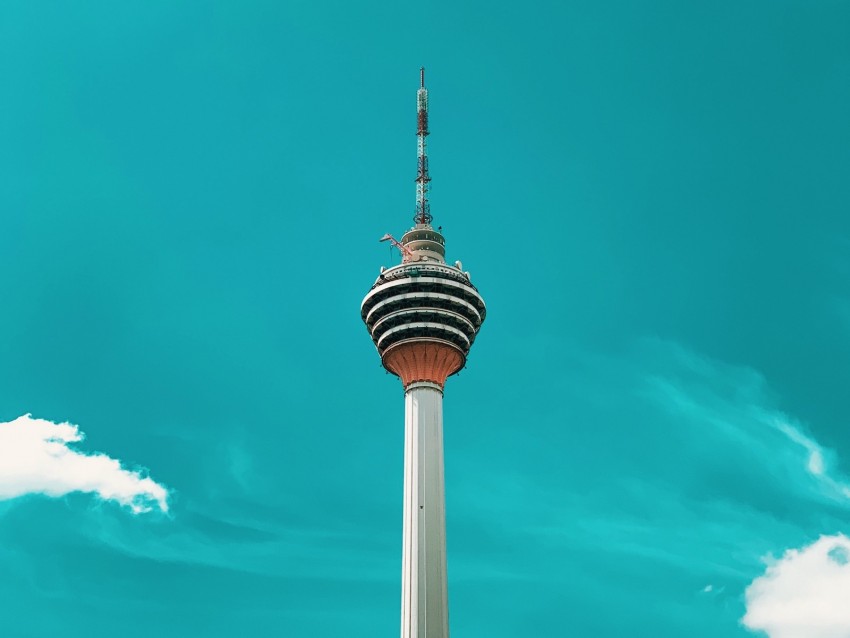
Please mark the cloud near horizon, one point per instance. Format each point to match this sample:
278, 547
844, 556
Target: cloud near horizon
36, 458
804, 594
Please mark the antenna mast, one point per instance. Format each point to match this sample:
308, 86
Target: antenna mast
423, 209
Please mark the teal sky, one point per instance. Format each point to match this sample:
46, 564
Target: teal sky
652, 198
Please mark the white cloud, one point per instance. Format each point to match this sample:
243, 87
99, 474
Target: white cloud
805, 594
35, 457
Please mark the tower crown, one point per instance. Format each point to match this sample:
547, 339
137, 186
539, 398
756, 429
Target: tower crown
423, 314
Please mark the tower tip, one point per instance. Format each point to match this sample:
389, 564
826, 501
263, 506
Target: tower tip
422, 77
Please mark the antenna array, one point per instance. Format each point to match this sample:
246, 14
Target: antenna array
423, 208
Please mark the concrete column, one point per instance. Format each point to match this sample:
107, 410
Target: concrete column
424, 598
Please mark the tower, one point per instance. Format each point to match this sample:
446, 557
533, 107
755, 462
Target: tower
423, 315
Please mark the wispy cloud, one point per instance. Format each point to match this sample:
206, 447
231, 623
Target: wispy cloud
819, 463
36, 457
730, 407
804, 594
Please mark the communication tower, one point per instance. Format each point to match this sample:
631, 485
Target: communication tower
423, 316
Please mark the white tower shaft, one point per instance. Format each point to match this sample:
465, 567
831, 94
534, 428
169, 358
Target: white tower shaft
424, 604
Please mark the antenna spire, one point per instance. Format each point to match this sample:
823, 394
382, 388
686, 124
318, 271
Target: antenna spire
423, 209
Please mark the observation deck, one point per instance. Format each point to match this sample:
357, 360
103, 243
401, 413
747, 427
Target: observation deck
423, 315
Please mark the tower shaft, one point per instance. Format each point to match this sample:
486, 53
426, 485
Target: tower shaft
424, 603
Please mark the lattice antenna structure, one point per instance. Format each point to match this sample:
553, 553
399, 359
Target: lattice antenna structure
423, 208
